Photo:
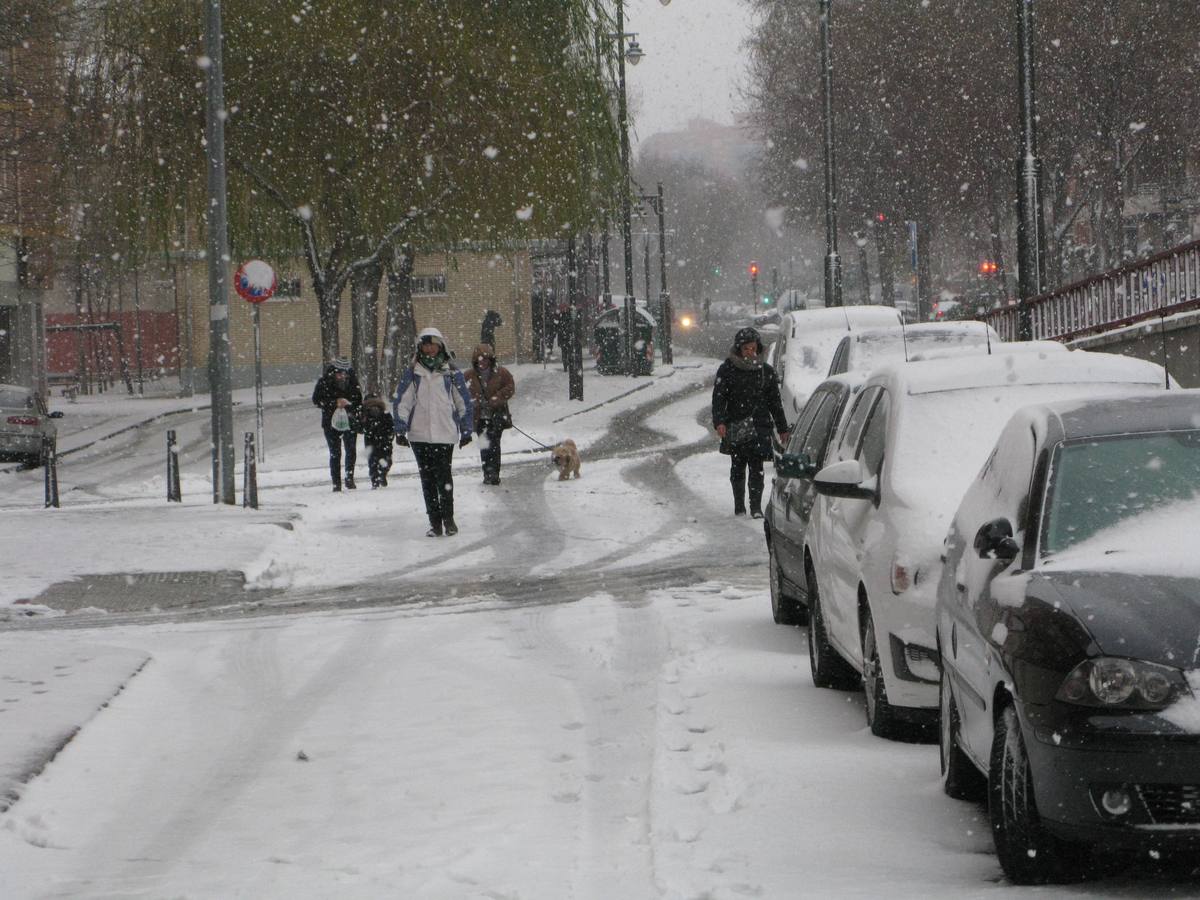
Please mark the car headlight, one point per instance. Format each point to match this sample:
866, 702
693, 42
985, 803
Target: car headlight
1109, 681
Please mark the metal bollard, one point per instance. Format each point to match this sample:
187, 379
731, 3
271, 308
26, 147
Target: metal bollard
50, 465
174, 494
249, 473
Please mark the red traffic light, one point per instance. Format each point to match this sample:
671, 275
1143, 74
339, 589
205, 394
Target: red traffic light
988, 267
754, 270
880, 217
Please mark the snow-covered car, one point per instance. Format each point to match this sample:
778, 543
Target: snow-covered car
910, 446
789, 505
24, 422
1067, 615
806, 343
873, 347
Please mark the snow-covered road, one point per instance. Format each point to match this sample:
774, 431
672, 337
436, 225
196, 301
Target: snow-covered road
580, 696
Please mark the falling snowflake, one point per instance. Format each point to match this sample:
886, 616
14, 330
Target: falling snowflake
525, 213
491, 152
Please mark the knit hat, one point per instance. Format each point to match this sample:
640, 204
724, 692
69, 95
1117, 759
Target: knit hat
341, 364
747, 336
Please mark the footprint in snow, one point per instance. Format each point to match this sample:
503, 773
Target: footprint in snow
566, 797
572, 726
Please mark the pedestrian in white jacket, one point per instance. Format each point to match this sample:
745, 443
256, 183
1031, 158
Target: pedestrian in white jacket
433, 412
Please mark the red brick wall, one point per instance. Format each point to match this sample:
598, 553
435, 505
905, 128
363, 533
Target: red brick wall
160, 350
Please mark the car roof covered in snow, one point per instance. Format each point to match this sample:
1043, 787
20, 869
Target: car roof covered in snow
1173, 410
927, 331
845, 318
1011, 365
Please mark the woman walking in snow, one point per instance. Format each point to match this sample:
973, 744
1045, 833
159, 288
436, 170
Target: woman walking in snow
432, 412
339, 397
745, 404
492, 386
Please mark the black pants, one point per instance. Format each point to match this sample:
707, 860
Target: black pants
489, 451
336, 441
437, 484
379, 461
738, 464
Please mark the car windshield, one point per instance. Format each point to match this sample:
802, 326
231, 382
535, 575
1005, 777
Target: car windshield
15, 399
872, 351
1097, 484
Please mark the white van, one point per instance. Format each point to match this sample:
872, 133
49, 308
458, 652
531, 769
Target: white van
806, 344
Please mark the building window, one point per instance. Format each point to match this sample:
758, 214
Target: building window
428, 285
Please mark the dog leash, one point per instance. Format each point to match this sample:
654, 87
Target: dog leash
532, 438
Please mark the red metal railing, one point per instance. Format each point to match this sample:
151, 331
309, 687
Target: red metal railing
1161, 285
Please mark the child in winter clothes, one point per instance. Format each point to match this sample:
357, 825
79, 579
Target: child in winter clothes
378, 430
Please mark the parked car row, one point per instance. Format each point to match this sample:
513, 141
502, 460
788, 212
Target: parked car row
957, 530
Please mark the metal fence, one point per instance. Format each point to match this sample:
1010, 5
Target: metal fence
1159, 286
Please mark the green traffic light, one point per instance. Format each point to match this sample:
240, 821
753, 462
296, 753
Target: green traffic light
766, 300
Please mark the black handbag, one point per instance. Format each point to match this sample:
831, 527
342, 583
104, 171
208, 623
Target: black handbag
742, 433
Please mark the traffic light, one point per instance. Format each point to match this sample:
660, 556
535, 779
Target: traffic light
988, 267
766, 299
754, 270
880, 217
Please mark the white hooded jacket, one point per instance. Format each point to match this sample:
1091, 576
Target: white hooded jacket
433, 407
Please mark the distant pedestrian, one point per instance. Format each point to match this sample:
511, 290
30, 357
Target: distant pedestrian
492, 386
745, 405
432, 412
340, 398
487, 328
379, 430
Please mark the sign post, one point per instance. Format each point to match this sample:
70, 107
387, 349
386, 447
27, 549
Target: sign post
255, 283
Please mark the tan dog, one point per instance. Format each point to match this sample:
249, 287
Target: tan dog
565, 456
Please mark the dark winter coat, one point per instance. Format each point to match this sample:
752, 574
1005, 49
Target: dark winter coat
326, 394
378, 427
491, 399
748, 388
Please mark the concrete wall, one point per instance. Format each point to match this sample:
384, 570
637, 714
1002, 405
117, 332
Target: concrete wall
1146, 340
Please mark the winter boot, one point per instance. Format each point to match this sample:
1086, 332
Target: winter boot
451, 528
337, 485
435, 527
350, 481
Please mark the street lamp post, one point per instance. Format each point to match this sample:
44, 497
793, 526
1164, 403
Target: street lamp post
833, 264
634, 54
1031, 235
219, 356
665, 314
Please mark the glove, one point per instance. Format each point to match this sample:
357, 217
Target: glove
401, 440
466, 440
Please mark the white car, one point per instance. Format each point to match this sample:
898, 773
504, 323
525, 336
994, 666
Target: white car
24, 421
914, 439
806, 343
871, 348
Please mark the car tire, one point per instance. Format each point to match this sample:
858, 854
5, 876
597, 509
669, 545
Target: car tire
881, 715
1028, 854
828, 668
785, 610
960, 778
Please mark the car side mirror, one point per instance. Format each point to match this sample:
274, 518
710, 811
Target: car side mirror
794, 465
994, 540
56, 414
846, 479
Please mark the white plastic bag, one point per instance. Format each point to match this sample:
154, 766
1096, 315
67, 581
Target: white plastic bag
340, 420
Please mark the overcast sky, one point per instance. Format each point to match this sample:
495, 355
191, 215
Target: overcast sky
694, 63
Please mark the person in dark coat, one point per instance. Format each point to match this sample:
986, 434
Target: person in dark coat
378, 430
337, 389
491, 386
487, 328
745, 407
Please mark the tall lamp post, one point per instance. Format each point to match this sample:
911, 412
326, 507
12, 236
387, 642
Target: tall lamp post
1031, 235
833, 264
634, 54
665, 314
219, 356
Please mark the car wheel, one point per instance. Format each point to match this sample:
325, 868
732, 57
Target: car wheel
785, 610
960, 778
829, 670
881, 715
1027, 852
